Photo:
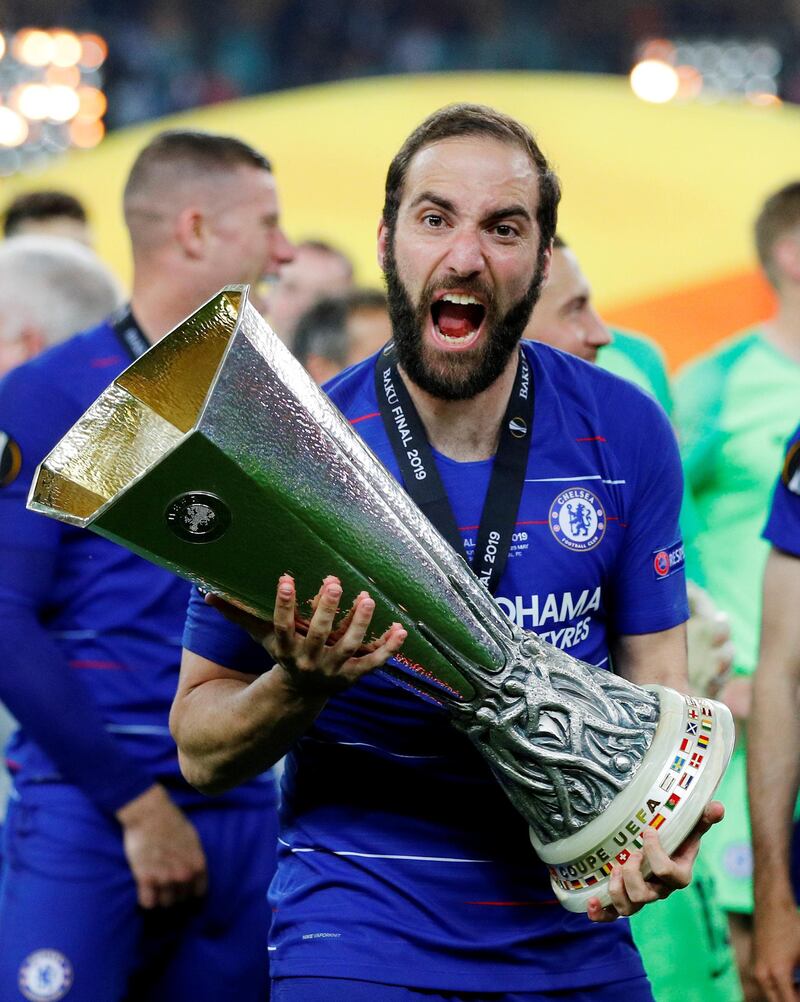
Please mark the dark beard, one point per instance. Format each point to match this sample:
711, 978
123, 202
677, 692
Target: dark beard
459, 376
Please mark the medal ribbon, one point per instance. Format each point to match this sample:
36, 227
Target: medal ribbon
421, 478
129, 333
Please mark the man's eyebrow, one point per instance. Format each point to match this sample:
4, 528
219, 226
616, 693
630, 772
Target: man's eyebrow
508, 212
580, 300
429, 196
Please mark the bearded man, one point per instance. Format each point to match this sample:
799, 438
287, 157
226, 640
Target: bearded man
404, 872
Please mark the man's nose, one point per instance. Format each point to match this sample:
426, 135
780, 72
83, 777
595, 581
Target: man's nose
281, 251
465, 255
596, 333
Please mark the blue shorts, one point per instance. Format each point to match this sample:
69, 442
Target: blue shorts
341, 990
70, 924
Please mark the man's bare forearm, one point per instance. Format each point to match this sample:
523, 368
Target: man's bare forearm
774, 733
230, 727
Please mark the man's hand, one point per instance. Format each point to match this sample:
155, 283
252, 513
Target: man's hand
319, 657
708, 637
737, 695
777, 952
162, 849
630, 890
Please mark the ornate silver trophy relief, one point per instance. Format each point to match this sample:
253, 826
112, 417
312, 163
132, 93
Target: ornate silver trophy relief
216, 456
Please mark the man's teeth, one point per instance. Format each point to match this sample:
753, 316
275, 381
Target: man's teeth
461, 300
460, 339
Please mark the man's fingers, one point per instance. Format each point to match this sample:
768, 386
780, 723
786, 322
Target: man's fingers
284, 616
777, 983
146, 893
355, 626
321, 624
390, 643
344, 623
673, 872
712, 814
597, 913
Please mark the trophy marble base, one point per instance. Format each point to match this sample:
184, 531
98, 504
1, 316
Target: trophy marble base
678, 775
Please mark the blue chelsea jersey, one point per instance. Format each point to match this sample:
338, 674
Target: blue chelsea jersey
783, 525
400, 858
116, 619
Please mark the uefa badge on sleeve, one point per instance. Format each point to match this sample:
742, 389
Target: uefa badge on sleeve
791, 469
10, 460
577, 519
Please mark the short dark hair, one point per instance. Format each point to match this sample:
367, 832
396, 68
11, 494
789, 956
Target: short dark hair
780, 213
193, 150
474, 120
37, 205
365, 299
559, 243
323, 247
322, 330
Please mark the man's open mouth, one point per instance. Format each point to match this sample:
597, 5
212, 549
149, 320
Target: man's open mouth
457, 318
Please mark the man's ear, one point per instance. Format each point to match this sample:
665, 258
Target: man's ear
191, 231
32, 340
383, 243
546, 262
786, 255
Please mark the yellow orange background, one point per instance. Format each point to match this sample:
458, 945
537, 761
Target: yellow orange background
658, 200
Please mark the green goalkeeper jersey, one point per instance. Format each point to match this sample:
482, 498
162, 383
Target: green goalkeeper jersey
640, 360
707, 973
735, 407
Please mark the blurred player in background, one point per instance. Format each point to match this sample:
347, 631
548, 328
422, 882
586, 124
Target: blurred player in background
120, 881
318, 270
735, 408
48, 213
340, 331
565, 317
50, 287
774, 765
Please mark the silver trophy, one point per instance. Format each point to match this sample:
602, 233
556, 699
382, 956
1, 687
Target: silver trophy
216, 456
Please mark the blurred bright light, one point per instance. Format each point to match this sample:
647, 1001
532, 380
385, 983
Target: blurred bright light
93, 103
655, 81
67, 48
93, 51
708, 69
51, 95
765, 58
33, 47
658, 48
690, 82
68, 75
32, 100
764, 100
10, 161
64, 103
762, 84
13, 128
86, 134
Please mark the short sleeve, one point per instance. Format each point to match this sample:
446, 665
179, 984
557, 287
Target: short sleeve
210, 635
33, 417
649, 587
783, 525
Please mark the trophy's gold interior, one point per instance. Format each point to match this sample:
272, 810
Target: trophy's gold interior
140, 417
